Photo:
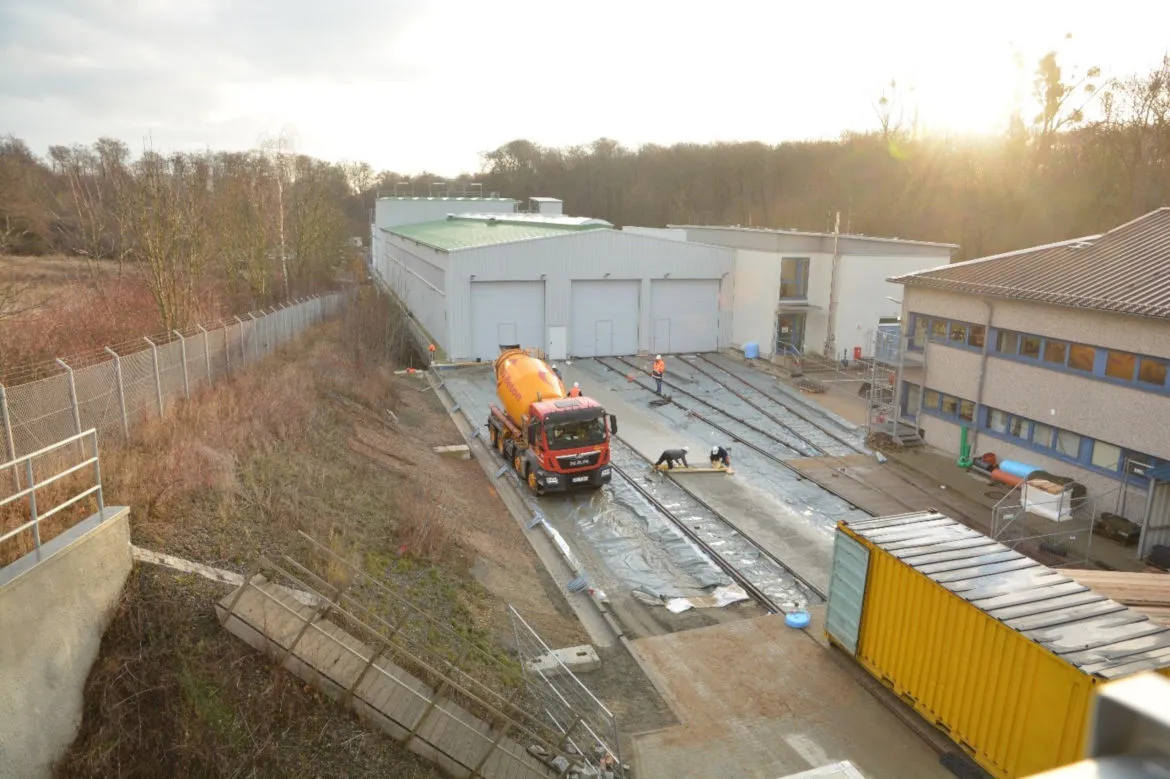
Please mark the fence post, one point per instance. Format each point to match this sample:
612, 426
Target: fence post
243, 354
72, 397
206, 352
157, 376
255, 340
227, 351
9, 444
183, 354
121, 393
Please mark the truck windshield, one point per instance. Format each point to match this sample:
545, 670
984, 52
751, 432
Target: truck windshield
571, 434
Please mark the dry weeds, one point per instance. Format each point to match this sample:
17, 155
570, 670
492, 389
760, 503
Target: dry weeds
301, 443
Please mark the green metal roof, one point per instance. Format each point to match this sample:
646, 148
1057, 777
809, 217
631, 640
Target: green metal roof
453, 234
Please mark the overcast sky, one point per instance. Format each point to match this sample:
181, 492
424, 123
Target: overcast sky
409, 86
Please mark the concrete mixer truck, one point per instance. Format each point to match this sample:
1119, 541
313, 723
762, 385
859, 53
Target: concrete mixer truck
556, 443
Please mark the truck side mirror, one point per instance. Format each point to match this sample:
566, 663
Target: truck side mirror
613, 424
532, 435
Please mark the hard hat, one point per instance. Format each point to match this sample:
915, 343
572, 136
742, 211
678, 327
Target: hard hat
714, 450
575, 384
554, 366
686, 448
658, 357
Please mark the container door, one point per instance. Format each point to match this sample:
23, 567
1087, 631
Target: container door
603, 337
846, 591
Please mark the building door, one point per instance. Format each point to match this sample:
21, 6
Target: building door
614, 302
603, 337
691, 308
661, 343
558, 339
506, 312
790, 333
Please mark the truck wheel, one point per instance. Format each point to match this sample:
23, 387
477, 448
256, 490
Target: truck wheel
532, 485
518, 465
494, 435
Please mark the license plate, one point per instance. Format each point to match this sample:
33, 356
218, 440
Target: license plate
579, 479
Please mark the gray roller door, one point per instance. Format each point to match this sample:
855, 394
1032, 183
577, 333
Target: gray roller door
506, 312
684, 315
604, 318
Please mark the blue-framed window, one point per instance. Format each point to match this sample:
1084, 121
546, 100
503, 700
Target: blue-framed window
794, 278
1060, 444
911, 395
949, 407
1111, 365
952, 332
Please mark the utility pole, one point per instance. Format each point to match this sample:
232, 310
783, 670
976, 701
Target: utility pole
831, 331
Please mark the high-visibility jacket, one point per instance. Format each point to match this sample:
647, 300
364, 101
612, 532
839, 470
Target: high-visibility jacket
574, 392
659, 367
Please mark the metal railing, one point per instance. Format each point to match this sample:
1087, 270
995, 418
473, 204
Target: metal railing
26, 485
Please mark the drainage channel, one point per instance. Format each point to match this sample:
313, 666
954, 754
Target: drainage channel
761, 575
808, 430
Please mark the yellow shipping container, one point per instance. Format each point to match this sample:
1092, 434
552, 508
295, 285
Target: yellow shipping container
998, 651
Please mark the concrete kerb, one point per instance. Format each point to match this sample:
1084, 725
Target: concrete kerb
589, 605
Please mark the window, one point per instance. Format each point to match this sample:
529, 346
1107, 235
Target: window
1105, 456
1007, 342
1030, 346
1119, 365
921, 324
1018, 428
938, 329
977, 335
794, 278
950, 405
997, 421
931, 399
1152, 371
1137, 464
966, 410
958, 332
1068, 443
1042, 435
1081, 357
1054, 352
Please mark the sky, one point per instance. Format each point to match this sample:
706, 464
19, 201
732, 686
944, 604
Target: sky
430, 85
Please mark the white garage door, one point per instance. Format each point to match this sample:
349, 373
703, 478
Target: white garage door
605, 318
684, 315
506, 312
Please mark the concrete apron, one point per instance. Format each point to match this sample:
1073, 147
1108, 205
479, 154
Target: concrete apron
804, 548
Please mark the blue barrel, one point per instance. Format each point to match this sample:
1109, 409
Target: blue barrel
1020, 470
751, 350
797, 619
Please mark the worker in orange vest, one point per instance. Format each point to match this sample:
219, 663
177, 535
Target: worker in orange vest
658, 371
575, 390
431, 349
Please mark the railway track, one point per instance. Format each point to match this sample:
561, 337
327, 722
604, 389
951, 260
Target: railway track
767, 444
763, 576
818, 435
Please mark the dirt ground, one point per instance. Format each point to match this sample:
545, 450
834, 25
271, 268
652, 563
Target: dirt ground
301, 443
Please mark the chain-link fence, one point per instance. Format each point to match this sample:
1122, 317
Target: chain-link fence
129, 385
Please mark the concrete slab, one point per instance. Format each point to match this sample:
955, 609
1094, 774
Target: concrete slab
578, 659
759, 700
455, 451
840, 770
783, 529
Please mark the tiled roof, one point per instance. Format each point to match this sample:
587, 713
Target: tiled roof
1126, 270
454, 234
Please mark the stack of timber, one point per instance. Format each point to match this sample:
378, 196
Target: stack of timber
1148, 593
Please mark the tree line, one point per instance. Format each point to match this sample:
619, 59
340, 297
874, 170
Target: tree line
268, 224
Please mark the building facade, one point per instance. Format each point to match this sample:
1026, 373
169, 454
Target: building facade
815, 293
568, 285
1056, 356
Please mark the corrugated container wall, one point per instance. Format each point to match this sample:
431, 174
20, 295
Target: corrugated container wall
998, 651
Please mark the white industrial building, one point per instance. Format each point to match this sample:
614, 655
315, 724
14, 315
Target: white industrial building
476, 275
786, 298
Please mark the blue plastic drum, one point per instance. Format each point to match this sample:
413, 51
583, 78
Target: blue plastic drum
751, 350
797, 619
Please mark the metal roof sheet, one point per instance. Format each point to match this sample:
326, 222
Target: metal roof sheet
455, 234
784, 231
1099, 636
1126, 271
458, 198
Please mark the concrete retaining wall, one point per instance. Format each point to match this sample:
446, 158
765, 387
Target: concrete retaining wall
52, 617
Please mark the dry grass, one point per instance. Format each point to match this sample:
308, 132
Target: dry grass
301, 443
70, 309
